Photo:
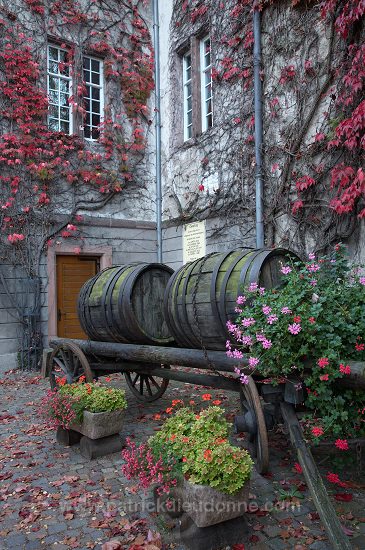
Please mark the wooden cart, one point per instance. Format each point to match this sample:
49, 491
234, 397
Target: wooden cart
148, 370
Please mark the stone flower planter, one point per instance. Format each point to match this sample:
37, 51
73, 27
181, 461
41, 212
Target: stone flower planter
98, 425
207, 506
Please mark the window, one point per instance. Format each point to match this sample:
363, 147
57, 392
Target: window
93, 100
59, 91
197, 88
59, 87
206, 84
188, 97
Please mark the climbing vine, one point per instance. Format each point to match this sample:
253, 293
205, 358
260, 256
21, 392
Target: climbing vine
313, 78
49, 179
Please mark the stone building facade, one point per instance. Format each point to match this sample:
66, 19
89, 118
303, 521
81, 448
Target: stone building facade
208, 138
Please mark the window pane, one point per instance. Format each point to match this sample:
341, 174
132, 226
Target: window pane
190, 117
53, 97
87, 76
53, 82
95, 92
188, 89
63, 56
64, 127
53, 67
95, 78
95, 65
210, 121
207, 60
86, 63
53, 111
189, 132
207, 77
87, 105
64, 99
95, 120
53, 124
188, 73
95, 106
87, 131
53, 53
95, 133
208, 92
64, 113
189, 103
64, 85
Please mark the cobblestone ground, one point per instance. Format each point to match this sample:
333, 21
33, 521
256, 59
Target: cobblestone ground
51, 497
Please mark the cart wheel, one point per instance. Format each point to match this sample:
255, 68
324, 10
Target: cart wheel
68, 361
250, 402
147, 387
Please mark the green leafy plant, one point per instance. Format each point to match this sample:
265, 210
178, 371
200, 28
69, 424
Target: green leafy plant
68, 403
308, 330
195, 446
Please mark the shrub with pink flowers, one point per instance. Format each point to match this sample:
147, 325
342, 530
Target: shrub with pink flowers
67, 403
309, 329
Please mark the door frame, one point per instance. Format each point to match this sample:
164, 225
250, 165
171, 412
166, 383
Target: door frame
103, 252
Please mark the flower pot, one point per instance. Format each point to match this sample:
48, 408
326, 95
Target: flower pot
98, 425
207, 506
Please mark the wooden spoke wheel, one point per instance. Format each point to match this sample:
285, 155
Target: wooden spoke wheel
250, 403
67, 361
147, 387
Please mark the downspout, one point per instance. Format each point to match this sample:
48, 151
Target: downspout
156, 40
260, 241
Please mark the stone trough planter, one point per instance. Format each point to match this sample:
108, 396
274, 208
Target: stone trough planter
207, 506
98, 425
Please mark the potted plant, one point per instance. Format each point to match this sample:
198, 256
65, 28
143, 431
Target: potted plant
307, 331
192, 452
93, 410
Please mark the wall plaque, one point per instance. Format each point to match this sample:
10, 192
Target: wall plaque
194, 241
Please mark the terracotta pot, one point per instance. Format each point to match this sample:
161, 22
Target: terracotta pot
98, 425
207, 506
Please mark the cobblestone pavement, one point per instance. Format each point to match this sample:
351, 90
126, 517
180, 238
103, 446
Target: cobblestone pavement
51, 497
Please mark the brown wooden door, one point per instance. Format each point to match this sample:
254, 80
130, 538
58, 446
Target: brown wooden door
72, 272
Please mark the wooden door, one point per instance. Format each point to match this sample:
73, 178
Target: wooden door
72, 272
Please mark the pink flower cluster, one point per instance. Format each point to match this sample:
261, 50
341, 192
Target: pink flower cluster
294, 328
57, 409
141, 464
286, 270
15, 238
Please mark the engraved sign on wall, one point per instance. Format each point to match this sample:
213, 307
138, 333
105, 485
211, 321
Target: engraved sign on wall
194, 241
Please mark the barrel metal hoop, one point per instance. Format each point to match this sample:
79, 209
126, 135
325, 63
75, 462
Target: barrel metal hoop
130, 327
91, 328
222, 298
257, 264
213, 292
110, 323
168, 305
128, 311
191, 339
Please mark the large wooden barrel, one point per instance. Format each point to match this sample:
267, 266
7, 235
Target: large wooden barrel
216, 281
125, 304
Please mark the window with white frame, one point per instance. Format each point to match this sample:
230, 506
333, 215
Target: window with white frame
206, 84
59, 90
188, 96
93, 99
197, 87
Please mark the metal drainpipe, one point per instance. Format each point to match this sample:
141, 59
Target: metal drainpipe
258, 130
156, 40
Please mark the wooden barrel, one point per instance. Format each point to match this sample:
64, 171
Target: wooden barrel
125, 304
216, 280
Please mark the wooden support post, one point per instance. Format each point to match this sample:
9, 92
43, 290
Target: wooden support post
67, 438
45, 356
314, 481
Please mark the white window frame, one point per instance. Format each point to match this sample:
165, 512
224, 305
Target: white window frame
204, 69
188, 128
59, 77
99, 86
